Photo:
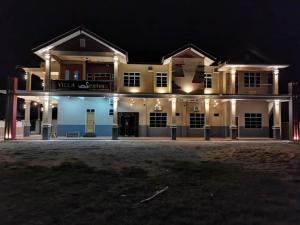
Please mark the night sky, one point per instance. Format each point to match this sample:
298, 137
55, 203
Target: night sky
150, 29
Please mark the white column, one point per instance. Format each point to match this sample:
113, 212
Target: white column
277, 119
27, 119
47, 78
28, 81
173, 120
207, 119
115, 128
232, 80
275, 81
233, 125
116, 72
47, 117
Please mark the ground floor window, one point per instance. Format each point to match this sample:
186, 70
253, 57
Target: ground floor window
253, 120
158, 119
197, 120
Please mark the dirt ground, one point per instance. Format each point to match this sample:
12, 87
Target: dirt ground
103, 182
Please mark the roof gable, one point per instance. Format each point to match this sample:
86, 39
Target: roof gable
191, 51
70, 41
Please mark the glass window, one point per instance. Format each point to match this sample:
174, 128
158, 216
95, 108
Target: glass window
131, 79
158, 119
197, 120
161, 80
207, 80
67, 75
253, 120
76, 75
90, 76
252, 79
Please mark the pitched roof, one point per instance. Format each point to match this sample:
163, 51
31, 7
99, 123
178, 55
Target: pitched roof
74, 33
196, 49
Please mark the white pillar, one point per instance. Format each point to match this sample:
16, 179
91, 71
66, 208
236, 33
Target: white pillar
232, 80
207, 119
47, 78
173, 120
28, 81
275, 81
115, 128
27, 124
116, 71
277, 119
47, 117
233, 125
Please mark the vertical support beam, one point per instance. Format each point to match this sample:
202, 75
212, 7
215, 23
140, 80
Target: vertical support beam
116, 72
27, 124
277, 119
173, 120
115, 128
232, 79
47, 117
207, 119
47, 78
28, 81
275, 81
233, 125
46, 124
38, 121
84, 70
10, 129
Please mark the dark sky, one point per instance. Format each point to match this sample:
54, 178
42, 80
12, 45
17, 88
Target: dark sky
150, 29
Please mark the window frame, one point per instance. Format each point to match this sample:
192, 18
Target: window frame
197, 120
160, 77
253, 120
207, 80
252, 79
160, 119
134, 77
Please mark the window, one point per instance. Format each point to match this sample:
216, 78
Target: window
111, 112
67, 75
76, 75
90, 110
207, 80
161, 80
253, 120
82, 43
196, 120
90, 76
216, 115
252, 79
158, 119
131, 79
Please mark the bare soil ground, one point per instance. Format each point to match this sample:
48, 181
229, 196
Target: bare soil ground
103, 182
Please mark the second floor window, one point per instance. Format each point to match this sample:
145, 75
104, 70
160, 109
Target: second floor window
161, 80
67, 75
196, 120
252, 79
76, 75
207, 80
131, 79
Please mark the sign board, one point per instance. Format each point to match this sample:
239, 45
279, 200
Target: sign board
68, 85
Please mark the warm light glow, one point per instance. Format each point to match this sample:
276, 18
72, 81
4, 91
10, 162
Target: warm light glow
25, 76
24, 106
134, 90
42, 109
161, 90
187, 89
43, 84
35, 103
47, 56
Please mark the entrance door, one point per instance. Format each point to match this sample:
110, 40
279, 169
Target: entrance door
90, 121
128, 124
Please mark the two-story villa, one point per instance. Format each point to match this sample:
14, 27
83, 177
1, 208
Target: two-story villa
189, 94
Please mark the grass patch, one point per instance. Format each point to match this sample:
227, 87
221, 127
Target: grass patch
199, 193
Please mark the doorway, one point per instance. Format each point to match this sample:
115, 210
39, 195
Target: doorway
128, 124
90, 121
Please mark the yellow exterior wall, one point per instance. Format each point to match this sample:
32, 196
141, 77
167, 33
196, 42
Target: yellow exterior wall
147, 78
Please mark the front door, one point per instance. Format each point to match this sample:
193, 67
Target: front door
90, 121
129, 124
